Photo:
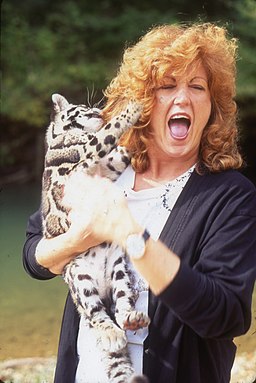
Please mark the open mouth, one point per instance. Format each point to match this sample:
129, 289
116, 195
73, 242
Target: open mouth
179, 127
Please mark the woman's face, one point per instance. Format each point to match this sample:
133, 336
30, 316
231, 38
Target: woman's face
180, 114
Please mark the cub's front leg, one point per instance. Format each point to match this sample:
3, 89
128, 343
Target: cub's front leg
112, 131
113, 165
100, 143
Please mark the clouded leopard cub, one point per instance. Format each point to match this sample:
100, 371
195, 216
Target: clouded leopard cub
76, 140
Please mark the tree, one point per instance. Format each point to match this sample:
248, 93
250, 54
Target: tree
70, 46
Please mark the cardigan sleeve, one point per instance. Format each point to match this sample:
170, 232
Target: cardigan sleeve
213, 296
33, 236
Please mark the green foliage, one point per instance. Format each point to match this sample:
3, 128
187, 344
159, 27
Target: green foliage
69, 47
244, 28
73, 49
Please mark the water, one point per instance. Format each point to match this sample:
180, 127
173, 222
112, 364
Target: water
31, 310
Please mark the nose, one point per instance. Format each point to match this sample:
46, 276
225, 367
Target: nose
181, 96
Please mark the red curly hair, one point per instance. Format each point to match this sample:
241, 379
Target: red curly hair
171, 49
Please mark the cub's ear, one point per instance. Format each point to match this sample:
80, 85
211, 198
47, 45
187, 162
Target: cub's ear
59, 102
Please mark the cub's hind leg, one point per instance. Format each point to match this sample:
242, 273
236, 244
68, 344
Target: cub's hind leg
78, 274
124, 297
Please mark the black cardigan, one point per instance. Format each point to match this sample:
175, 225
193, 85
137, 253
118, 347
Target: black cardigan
212, 228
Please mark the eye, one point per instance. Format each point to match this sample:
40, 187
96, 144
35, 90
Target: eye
168, 86
197, 87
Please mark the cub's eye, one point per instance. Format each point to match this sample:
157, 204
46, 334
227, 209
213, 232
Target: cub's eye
93, 115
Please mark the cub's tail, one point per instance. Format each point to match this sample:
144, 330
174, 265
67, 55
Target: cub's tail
139, 379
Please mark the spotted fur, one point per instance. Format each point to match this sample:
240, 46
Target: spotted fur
77, 140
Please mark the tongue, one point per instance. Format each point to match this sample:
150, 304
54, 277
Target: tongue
178, 129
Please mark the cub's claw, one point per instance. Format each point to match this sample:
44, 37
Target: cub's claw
135, 320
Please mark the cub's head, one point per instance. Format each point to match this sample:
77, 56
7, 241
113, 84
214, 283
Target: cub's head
66, 116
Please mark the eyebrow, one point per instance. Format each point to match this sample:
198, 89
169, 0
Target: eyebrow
199, 78
172, 78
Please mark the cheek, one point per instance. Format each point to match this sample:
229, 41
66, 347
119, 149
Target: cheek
163, 100
160, 103
204, 112
208, 110
157, 113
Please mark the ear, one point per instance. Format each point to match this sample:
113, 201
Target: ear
59, 102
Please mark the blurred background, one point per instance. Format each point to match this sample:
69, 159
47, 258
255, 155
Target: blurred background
74, 48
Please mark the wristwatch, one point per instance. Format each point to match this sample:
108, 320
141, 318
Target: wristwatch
136, 244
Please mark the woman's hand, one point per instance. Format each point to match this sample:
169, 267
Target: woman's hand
98, 210
98, 213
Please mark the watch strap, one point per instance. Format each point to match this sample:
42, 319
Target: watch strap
145, 235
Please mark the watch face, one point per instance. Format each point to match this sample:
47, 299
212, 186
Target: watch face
135, 246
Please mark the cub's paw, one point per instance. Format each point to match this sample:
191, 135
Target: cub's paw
134, 320
112, 339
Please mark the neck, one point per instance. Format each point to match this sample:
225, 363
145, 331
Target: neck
159, 174
167, 170
163, 165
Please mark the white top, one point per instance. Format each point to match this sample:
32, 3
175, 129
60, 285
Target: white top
150, 208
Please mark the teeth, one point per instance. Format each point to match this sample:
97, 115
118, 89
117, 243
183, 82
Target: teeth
180, 116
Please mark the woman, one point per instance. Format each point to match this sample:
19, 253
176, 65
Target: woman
188, 221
